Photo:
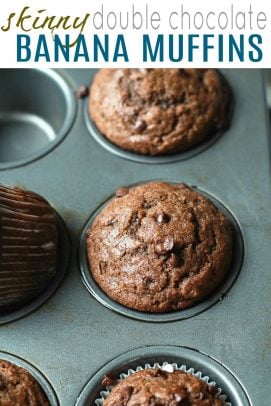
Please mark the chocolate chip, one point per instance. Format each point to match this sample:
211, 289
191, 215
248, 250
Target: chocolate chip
213, 389
146, 205
166, 246
155, 371
126, 393
135, 220
159, 372
122, 191
183, 72
3, 384
144, 70
148, 281
108, 380
164, 105
174, 260
159, 249
181, 98
140, 125
182, 186
198, 396
102, 267
178, 397
82, 92
162, 218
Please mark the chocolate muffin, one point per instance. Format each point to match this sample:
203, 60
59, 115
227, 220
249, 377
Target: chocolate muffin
28, 246
19, 388
156, 387
159, 247
159, 111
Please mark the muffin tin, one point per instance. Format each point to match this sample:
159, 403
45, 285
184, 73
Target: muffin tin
73, 337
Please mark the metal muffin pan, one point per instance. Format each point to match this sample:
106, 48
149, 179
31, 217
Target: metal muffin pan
218, 294
72, 335
37, 109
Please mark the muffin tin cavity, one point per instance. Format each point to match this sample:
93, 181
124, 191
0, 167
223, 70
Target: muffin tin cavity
193, 360
37, 109
37, 375
63, 256
237, 259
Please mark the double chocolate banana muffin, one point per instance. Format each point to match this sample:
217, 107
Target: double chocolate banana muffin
28, 246
159, 111
19, 388
153, 387
159, 247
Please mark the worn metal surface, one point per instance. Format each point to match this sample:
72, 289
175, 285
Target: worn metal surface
72, 335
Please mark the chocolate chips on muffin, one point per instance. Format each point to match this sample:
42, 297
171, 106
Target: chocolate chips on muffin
152, 387
28, 246
159, 247
159, 111
19, 388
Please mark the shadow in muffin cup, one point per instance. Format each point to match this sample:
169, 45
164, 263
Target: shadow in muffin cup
203, 305
37, 109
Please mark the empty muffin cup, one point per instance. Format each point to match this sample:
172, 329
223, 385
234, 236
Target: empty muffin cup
37, 109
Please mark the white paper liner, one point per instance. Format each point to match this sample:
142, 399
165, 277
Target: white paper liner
165, 366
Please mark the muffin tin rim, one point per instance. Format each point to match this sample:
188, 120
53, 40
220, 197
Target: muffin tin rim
196, 358
39, 376
67, 87
199, 307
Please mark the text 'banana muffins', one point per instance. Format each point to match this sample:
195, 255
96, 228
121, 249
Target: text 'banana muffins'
19, 388
28, 246
159, 111
159, 247
153, 387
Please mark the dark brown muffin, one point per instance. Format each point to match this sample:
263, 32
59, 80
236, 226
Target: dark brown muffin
159, 247
19, 388
28, 246
159, 111
153, 387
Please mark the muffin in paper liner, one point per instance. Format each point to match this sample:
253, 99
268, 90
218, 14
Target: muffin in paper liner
28, 246
165, 366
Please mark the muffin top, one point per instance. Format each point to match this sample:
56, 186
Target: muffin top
159, 247
153, 387
19, 388
159, 111
28, 246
